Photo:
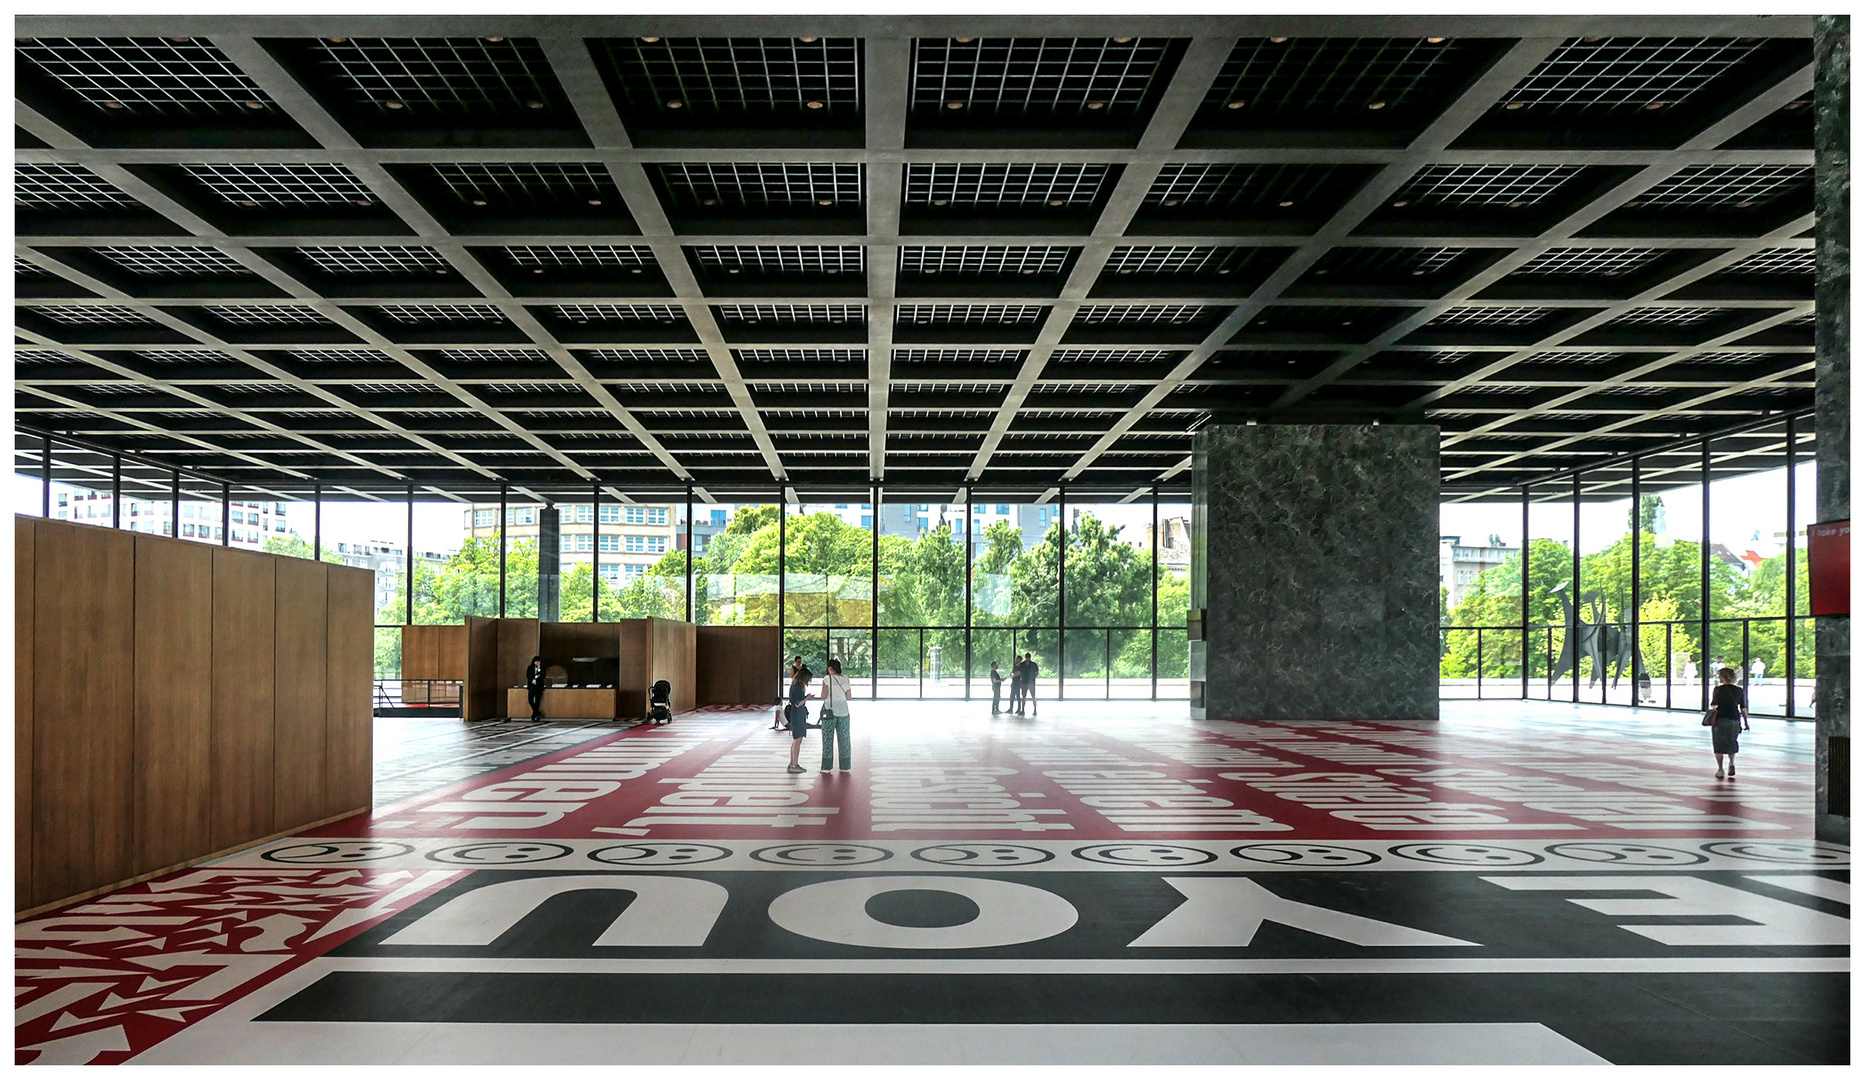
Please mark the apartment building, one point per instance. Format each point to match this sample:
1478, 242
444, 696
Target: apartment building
621, 539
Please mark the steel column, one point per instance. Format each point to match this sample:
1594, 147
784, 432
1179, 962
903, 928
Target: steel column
174, 505
595, 553
504, 527
1525, 546
1061, 589
226, 514
45, 467
1703, 596
317, 523
116, 491
1638, 541
1573, 591
689, 553
408, 563
969, 540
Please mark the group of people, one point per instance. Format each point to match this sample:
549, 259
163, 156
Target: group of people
793, 714
1022, 685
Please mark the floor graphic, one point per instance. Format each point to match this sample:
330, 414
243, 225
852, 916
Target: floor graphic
1079, 886
718, 776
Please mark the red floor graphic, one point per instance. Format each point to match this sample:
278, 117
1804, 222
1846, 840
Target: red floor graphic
722, 776
101, 981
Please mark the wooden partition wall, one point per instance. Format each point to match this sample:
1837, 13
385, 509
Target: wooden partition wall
174, 700
739, 665
432, 652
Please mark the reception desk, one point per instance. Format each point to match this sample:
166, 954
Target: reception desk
564, 703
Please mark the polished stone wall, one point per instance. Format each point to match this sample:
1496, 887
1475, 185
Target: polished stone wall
1315, 559
1832, 376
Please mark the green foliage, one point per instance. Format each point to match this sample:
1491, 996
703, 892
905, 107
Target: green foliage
297, 547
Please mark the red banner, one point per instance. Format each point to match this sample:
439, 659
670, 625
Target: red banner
1829, 568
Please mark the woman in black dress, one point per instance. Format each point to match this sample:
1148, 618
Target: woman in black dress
534, 687
797, 713
1728, 718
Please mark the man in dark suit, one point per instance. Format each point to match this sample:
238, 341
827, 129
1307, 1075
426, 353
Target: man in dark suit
534, 687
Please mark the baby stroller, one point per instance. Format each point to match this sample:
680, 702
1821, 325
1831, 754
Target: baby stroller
659, 696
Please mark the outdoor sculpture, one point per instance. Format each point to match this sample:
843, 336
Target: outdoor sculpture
1599, 640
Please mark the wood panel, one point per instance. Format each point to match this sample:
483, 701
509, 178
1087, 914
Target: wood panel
83, 653
737, 664
633, 668
564, 703
562, 641
349, 751
302, 605
24, 531
482, 699
244, 668
671, 657
174, 645
449, 652
518, 643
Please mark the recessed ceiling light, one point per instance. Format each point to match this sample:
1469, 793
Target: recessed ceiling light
248, 202
1418, 273
1278, 40
676, 103
440, 270
394, 105
1122, 40
336, 40
495, 39
650, 40
1515, 204
940, 202
178, 39
733, 270
1746, 202
1376, 105
1236, 104
707, 202
965, 40
537, 270
1055, 202
1320, 273
1225, 270
1125, 272
1029, 271
595, 202
954, 104
1286, 202
534, 104
1513, 105
636, 270
1435, 40
255, 105
807, 40
812, 104
1172, 202
1403, 202
113, 104
1657, 105
1346, 322
362, 202
1589, 39
825, 202
1632, 205
1097, 104
479, 202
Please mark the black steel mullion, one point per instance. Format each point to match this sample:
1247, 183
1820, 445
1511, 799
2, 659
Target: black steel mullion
226, 515
1703, 611
1792, 584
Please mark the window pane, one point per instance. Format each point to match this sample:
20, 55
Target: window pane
1670, 583
736, 578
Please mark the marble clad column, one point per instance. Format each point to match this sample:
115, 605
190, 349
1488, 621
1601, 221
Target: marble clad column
1832, 204
1315, 558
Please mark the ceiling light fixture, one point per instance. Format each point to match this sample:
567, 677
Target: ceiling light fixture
362, 202
537, 270
940, 202
534, 104
1236, 104
595, 202
248, 202
255, 104
812, 104
1172, 202
479, 202
807, 40
1122, 40
495, 39
178, 40
1278, 40
965, 40
113, 104
954, 104
1435, 40
394, 105
1055, 202
1403, 202
650, 40
1513, 105
1286, 203
707, 202
825, 202
1097, 104
1657, 105
336, 40
676, 103
1376, 105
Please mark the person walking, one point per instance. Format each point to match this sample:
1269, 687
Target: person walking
997, 688
796, 713
1755, 671
1727, 718
534, 688
781, 720
834, 716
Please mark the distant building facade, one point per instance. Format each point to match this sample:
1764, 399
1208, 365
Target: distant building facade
1460, 564
628, 538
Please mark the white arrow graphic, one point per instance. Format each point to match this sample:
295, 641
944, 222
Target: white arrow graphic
79, 1049
153, 983
275, 931
51, 954
235, 970
69, 994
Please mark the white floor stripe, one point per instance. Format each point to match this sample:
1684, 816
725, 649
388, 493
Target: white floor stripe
1553, 965
902, 1044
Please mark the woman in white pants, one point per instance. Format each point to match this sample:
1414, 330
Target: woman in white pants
834, 716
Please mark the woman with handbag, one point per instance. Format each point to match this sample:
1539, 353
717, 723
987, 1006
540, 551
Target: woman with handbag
835, 715
1727, 718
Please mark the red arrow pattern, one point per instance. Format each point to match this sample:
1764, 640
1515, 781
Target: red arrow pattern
104, 980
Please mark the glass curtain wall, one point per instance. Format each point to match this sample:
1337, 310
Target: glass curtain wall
1550, 590
1604, 635
828, 589
1172, 551
1748, 564
1108, 584
1803, 513
1670, 523
640, 561
735, 575
921, 595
